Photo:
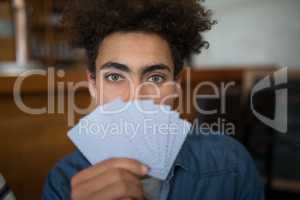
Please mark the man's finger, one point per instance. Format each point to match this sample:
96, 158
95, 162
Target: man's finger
131, 165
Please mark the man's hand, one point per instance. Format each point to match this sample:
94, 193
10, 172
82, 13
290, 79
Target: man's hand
110, 179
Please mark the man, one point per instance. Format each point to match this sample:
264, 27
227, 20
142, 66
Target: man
130, 43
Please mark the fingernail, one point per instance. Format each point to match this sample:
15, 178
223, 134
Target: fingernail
145, 169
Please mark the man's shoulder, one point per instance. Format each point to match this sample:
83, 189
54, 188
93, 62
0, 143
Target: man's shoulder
221, 158
217, 152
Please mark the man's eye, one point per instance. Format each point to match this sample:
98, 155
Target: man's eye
157, 79
114, 77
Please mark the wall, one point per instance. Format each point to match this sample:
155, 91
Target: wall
255, 32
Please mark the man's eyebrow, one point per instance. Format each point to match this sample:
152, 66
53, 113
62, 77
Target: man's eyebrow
148, 69
144, 70
115, 65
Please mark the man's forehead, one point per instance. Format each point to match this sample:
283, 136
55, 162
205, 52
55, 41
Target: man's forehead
136, 51
134, 42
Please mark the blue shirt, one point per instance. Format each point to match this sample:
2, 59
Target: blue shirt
208, 167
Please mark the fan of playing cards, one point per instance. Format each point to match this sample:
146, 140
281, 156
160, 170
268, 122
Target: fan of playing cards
141, 130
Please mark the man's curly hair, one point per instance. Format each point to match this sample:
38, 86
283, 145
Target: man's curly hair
179, 22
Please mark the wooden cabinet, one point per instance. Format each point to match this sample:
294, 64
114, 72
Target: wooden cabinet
30, 145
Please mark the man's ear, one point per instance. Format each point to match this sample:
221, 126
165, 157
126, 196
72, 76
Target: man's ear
92, 84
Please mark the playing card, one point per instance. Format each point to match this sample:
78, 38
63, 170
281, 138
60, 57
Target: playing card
139, 129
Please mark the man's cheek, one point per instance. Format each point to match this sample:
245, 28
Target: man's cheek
169, 95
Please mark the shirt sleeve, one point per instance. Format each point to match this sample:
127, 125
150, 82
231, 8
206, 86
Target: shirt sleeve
57, 186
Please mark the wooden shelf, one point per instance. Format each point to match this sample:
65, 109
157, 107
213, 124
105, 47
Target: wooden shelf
44, 32
38, 84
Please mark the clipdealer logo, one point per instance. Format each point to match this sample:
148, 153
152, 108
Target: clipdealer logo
280, 121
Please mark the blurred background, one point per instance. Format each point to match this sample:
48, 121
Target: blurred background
252, 40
